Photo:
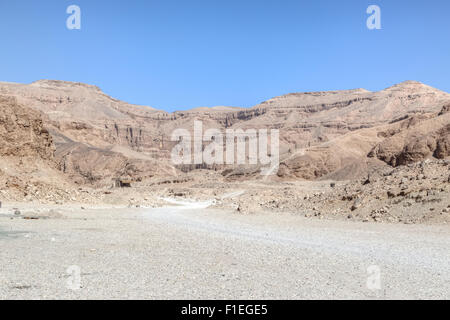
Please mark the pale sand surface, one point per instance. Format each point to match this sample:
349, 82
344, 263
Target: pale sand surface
189, 252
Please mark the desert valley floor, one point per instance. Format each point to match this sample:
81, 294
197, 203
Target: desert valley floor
87, 185
187, 252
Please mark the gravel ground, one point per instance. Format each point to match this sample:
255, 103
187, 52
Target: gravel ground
194, 253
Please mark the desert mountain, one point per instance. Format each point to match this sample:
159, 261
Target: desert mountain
413, 138
322, 134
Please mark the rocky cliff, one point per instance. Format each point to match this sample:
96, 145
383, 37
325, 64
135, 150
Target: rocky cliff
98, 137
22, 132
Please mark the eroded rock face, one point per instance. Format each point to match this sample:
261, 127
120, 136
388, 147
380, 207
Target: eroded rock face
445, 110
96, 166
22, 132
321, 133
425, 139
28, 170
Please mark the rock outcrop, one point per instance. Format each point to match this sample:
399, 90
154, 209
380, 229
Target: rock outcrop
28, 168
419, 140
22, 132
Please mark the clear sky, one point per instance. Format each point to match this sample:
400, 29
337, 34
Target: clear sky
175, 55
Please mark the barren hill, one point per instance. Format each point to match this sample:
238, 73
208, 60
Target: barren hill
98, 137
409, 140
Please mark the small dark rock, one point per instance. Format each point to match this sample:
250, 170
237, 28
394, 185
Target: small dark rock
356, 204
367, 181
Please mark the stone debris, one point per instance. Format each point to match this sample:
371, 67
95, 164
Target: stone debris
399, 195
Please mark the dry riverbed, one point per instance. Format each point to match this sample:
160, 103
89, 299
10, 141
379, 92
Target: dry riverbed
186, 251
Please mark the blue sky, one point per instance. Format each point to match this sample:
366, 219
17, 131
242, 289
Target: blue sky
175, 55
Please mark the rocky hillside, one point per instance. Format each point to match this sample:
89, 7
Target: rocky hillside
22, 133
28, 168
416, 193
322, 134
413, 138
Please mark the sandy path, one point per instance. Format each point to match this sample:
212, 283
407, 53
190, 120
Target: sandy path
192, 252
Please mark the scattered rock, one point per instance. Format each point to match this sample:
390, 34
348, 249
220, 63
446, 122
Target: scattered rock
356, 204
